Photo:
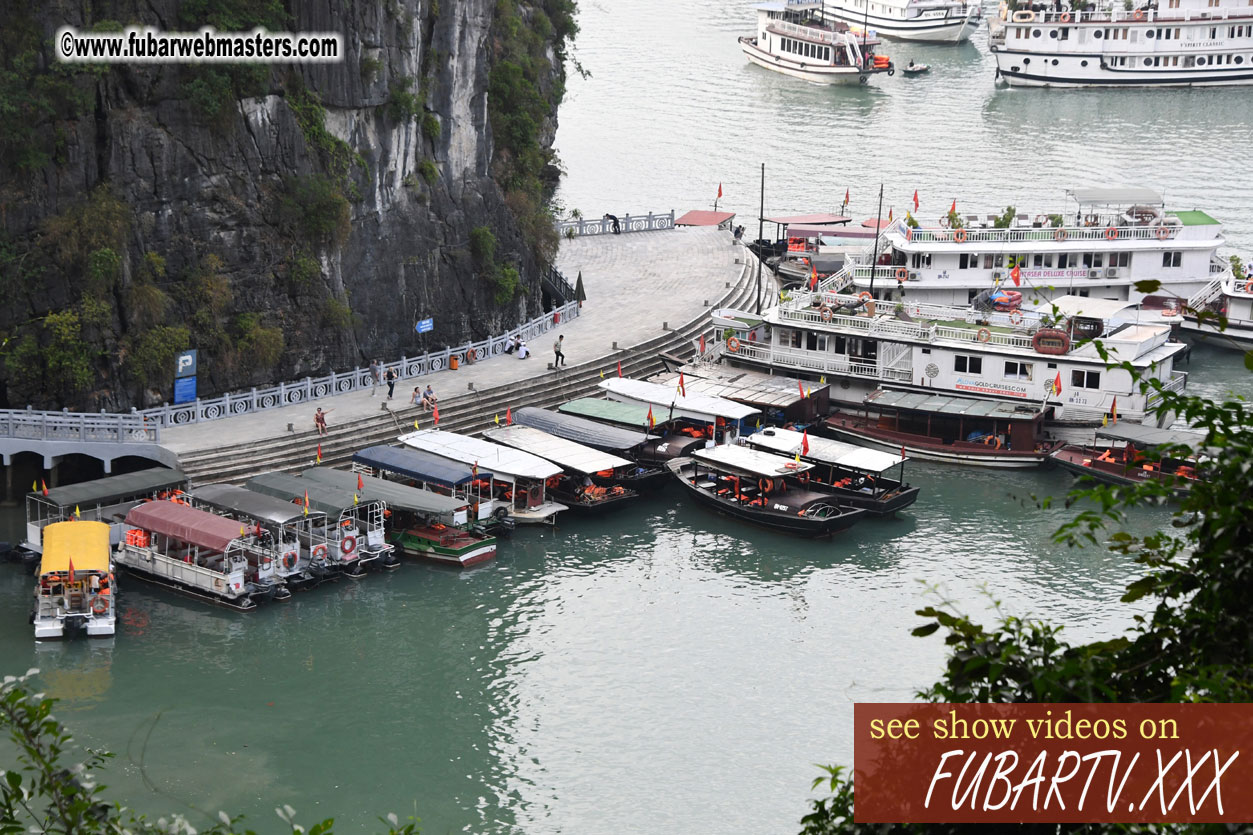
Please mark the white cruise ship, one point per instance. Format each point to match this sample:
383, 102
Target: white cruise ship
793, 39
929, 21
1105, 241
1137, 43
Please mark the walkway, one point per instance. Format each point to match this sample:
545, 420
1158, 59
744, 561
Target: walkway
633, 282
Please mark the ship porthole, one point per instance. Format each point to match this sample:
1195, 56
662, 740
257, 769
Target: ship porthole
1200, 62
1052, 33
1148, 62
1015, 69
1055, 62
1026, 60
1035, 33
1097, 34
1083, 63
1239, 59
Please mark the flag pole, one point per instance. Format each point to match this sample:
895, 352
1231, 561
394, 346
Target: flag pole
761, 220
874, 261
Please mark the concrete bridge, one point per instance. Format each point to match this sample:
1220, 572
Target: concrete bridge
647, 292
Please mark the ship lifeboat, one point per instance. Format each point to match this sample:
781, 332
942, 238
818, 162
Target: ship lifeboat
1051, 341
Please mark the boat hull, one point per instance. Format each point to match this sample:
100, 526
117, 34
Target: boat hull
1069, 71
461, 551
922, 30
608, 504
1072, 458
824, 75
846, 429
229, 590
1236, 337
96, 626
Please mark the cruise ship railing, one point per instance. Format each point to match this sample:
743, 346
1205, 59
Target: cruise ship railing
814, 361
1178, 382
1035, 234
1120, 15
579, 227
802, 310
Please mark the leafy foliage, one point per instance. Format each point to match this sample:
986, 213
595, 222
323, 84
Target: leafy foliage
336, 155
431, 127
313, 209
507, 282
429, 171
1006, 218
337, 315
482, 246
150, 353
402, 105
257, 346
1194, 645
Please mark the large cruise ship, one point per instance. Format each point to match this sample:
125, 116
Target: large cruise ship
1136, 43
932, 21
1100, 246
792, 38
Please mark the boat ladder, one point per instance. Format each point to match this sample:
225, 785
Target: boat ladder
1207, 294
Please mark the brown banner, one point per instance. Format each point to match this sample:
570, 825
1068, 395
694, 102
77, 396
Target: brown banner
1053, 763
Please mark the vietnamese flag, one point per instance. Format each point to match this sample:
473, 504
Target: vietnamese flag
71, 571
846, 197
813, 276
953, 208
889, 214
651, 421
805, 443
801, 387
1113, 410
682, 388
1016, 275
702, 344
619, 368
902, 452
719, 191
915, 200
1057, 385
319, 453
360, 483
44, 484
435, 414
306, 502
508, 416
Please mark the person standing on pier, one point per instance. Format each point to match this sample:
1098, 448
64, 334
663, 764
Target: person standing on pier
391, 376
376, 371
560, 358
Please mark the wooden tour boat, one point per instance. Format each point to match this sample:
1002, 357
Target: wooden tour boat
582, 467
1135, 454
858, 476
76, 588
627, 443
430, 472
668, 438
766, 490
957, 430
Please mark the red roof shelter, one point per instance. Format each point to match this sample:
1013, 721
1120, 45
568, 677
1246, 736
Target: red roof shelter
703, 218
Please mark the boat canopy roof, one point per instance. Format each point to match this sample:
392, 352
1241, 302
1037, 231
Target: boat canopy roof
667, 396
751, 461
1138, 433
1069, 306
418, 465
562, 452
750, 387
391, 493
806, 231
500, 460
612, 411
854, 457
582, 430
116, 487
821, 219
322, 496
1118, 196
84, 543
955, 406
235, 499
703, 217
186, 524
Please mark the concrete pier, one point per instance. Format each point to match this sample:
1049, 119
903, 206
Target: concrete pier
634, 284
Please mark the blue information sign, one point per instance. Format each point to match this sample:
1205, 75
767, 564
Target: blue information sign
185, 364
424, 325
184, 390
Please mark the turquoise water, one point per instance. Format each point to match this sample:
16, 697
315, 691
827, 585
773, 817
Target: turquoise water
663, 670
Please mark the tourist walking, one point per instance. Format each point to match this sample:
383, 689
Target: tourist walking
376, 371
560, 359
319, 420
390, 377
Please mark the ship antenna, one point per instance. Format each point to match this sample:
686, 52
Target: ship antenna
878, 230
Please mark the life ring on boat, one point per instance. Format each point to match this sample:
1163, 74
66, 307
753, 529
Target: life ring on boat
1015, 317
1111, 233
1163, 232
733, 345
1065, 18
1248, 287
864, 296
1060, 234
99, 605
1024, 16
989, 440
348, 544
983, 335
791, 465
764, 485
959, 236
944, 221
902, 273
319, 552
825, 313
1139, 14
1170, 311
1050, 341
289, 560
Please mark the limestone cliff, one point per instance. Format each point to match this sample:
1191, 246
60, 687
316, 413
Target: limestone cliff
287, 219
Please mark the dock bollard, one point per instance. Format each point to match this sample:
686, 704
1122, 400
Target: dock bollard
615, 346
665, 326
470, 386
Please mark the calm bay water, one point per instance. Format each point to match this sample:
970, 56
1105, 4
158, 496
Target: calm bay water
661, 670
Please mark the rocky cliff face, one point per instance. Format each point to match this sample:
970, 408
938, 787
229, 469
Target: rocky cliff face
285, 220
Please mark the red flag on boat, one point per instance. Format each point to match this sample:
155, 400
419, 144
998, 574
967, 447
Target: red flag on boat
889, 214
508, 416
619, 368
813, 276
902, 452
71, 571
702, 344
682, 388
805, 443
360, 482
1113, 410
953, 208
474, 470
44, 484
1016, 275
1057, 385
846, 197
719, 191
319, 453
306, 502
651, 421
915, 200
801, 386
435, 415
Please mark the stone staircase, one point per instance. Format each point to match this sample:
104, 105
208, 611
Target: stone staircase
466, 413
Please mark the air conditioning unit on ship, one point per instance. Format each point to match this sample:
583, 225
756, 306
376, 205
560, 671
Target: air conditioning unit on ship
1111, 272
915, 276
997, 275
1094, 273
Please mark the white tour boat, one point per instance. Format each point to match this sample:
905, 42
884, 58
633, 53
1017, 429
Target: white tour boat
728, 418
930, 21
792, 38
1200, 43
76, 588
1230, 298
1012, 355
1104, 242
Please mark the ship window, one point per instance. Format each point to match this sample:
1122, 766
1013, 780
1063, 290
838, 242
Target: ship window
1098, 259
1177, 34
1017, 370
1148, 62
1174, 4
987, 262
1148, 33
1119, 259
1035, 33
1239, 59
1083, 63
1052, 33
967, 262
1063, 260
1064, 35
921, 259
1172, 259
1085, 379
1026, 60
1098, 34
963, 364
